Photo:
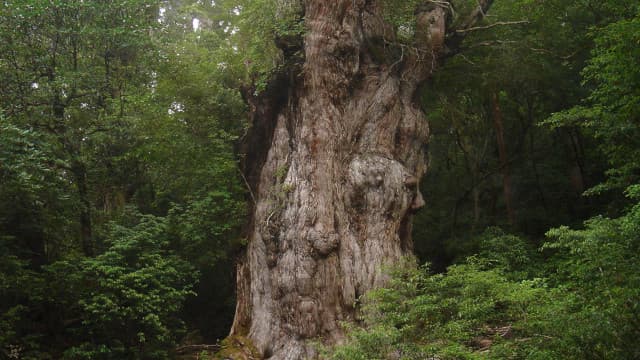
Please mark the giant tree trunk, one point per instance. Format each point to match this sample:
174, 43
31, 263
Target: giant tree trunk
335, 157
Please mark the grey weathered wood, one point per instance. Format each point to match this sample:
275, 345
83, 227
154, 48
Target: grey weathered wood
340, 147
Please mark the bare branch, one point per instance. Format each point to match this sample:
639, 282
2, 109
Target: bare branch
455, 36
467, 60
445, 4
480, 8
562, 57
508, 42
478, 14
499, 23
246, 183
489, 43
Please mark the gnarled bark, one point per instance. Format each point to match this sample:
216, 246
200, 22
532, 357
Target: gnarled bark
337, 179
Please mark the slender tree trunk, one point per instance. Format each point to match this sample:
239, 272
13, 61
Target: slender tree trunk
79, 172
504, 158
86, 231
576, 156
335, 157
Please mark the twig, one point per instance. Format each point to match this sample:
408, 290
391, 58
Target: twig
499, 23
481, 9
253, 198
400, 60
444, 4
490, 43
467, 60
545, 51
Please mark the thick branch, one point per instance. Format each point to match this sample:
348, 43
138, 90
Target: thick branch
435, 40
457, 35
478, 14
486, 43
429, 41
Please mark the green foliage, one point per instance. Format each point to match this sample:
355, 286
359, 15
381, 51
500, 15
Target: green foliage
256, 27
585, 307
29, 176
447, 316
24, 163
207, 227
109, 108
73, 73
128, 297
599, 267
513, 255
195, 116
19, 287
401, 14
534, 69
610, 111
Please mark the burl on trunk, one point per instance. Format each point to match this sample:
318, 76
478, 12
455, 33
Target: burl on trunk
335, 156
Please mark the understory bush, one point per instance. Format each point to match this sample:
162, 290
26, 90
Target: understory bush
584, 303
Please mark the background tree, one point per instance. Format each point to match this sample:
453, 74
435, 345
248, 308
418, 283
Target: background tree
109, 233
534, 69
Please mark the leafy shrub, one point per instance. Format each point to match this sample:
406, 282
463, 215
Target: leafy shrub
128, 298
585, 305
598, 268
443, 316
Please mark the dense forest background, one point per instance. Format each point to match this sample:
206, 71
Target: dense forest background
123, 203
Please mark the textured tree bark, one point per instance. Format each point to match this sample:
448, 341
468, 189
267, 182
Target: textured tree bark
334, 159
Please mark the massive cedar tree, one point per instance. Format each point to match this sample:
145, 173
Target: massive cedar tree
335, 155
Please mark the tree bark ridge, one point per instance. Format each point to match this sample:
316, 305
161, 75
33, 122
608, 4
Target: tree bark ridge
337, 182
